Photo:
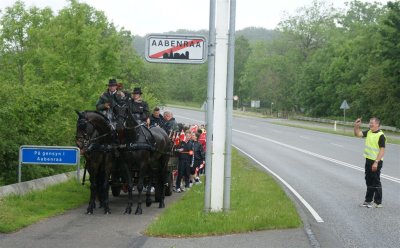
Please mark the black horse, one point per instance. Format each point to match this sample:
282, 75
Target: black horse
94, 138
146, 152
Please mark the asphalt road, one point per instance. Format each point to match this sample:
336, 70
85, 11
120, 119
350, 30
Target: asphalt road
326, 173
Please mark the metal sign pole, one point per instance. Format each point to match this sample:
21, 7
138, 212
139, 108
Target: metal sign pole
229, 108
78, 168
19, 166
344, 120
344, 106
210, 107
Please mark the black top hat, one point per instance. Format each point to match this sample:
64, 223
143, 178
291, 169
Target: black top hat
137, 90
112, 82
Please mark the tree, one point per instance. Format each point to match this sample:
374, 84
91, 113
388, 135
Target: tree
309, 29
389, 51
242, 53
15, 25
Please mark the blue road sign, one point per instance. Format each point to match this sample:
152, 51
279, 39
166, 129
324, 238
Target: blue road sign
49, 155
64, 155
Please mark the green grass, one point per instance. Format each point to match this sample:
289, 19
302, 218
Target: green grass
257, 203
17, 211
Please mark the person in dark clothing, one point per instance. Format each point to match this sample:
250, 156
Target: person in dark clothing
184, 161
139, 108
110, 97
156, 119
373, 152
107, 101
198, 157
169, 124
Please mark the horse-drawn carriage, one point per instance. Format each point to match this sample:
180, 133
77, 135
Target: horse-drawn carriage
122, 155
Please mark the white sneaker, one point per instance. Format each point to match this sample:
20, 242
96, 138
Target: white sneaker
178, 190
366, 204
378, 205
152, 189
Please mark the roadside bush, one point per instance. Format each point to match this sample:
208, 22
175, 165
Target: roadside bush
40, 115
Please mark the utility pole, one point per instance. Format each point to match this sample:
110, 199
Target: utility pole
210, 107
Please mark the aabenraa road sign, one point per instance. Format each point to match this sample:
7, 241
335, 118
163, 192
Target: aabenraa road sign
182, 49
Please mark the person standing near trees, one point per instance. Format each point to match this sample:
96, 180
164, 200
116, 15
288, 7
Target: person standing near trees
374, 150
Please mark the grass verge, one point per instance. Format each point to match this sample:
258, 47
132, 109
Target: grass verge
257, 203
18, 211
328, 130
184, 105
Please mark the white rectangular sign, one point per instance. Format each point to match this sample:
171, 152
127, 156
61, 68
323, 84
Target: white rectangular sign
181, 49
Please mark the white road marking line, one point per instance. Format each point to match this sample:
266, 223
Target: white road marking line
334, 144
183, 117
301, 199
393, 179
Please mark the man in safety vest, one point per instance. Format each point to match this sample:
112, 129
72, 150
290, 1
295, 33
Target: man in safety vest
374, 150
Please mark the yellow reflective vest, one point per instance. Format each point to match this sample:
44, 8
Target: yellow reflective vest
371, 149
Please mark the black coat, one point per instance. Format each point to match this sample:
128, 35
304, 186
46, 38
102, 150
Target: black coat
198, 151
156, 121
139, 109
184, 154
170, 125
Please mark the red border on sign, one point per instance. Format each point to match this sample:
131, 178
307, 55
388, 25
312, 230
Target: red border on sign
174, 49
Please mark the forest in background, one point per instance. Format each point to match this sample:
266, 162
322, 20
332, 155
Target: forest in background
315, 59
54, 63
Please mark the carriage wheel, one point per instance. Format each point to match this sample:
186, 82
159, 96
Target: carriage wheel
116, 190
168, 190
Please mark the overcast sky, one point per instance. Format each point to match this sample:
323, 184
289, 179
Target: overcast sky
156, 16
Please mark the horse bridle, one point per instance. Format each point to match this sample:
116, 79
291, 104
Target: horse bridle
87, 139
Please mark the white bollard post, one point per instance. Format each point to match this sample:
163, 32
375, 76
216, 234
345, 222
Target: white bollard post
334, 126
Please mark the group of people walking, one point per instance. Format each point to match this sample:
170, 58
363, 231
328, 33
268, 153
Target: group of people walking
191, 158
